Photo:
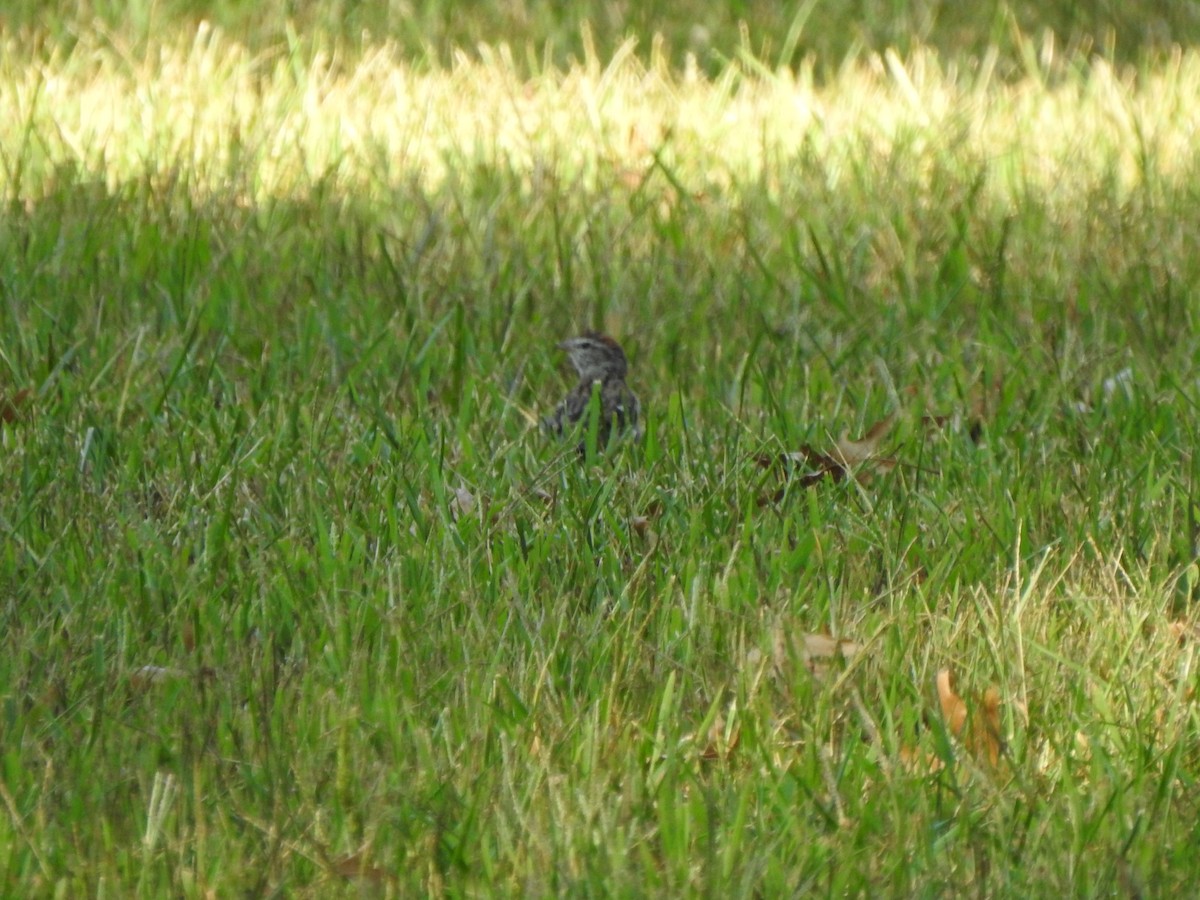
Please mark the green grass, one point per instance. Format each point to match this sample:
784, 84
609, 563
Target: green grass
782, 33
286, 314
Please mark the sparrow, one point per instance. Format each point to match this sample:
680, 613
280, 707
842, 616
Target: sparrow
598, 360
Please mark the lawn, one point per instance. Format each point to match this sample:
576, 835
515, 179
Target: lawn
895, 597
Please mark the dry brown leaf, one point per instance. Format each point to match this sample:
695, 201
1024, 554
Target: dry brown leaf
806, 467
148, 676
983, 737
188, 635
854, 453
812, 467
641, 524
983, 407
987, 735
954, 708
918, 763
15, 407
357, 866
639, 143
54, 697
462, 503
632, 178
816, 652
1184, 631
821, 650
721, 741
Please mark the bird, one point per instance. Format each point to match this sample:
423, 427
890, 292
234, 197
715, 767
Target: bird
598, 360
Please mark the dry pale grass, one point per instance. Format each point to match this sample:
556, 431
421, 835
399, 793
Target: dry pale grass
206, 105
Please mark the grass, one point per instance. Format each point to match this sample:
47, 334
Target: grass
783, 33
297, 601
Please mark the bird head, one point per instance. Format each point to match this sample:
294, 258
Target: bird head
596, 357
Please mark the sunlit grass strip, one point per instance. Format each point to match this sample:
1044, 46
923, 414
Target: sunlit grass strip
204, 104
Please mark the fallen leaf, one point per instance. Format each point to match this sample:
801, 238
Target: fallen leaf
816, 652
632, 178
812, 467
807, 466
820, 651
641, 524
638, 143
982, 738
1183, 631
854, 453
462, 503
54, 697
721, 740
535, 745
188, 636
357, 866
148, 676
954, 708
14, 407
920, 763
983, 407
1122, 381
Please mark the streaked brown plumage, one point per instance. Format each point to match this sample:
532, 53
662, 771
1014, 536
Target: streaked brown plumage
597, 358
